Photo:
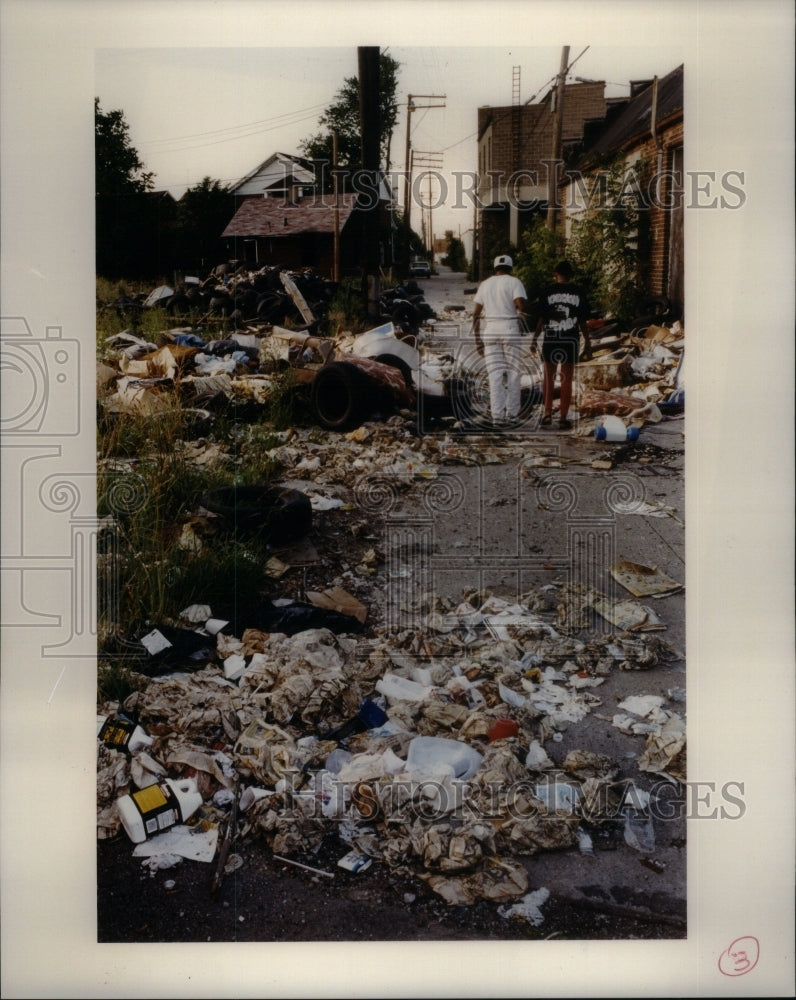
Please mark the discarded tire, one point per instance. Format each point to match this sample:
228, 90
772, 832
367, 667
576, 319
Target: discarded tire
341, 396
273, 511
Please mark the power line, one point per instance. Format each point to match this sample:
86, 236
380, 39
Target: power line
459, 141
273, 122
244, 135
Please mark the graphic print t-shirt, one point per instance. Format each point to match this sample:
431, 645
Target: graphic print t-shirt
563, 306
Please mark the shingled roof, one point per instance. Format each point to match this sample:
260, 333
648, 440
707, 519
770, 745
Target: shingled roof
634, 122
273, 217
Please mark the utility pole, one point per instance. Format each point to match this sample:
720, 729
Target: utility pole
370, 121
431, 161
410, 107
558, 121
336, 270
430, 223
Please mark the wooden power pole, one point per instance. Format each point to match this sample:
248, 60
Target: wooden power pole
336, 272
558, 121
410, 107
370, 122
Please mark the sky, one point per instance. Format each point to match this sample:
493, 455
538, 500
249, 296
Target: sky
219, 112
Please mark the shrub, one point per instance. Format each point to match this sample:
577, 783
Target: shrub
606, 240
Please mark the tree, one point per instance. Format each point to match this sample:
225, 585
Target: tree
117, 167
607, 243
127, 228
540, 250
202, 213
342, 117
456, 258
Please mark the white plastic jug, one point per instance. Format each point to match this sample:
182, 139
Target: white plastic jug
614, 429
427, 753
397, 688
155, 808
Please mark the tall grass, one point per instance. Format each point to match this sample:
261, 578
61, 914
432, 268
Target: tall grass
150, 488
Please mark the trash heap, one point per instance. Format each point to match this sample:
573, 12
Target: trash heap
424, 750
238, 293
430, 750
637, 377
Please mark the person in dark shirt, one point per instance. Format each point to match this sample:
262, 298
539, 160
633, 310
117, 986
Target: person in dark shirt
563, 311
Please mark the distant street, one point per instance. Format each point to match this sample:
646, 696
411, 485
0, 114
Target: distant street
447, 288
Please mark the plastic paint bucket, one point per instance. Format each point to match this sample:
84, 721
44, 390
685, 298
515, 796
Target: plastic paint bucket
119, 733
155, 808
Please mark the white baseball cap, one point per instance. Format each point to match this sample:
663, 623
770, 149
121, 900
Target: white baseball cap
503, 261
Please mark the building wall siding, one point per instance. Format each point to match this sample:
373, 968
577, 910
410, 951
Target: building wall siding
660, 224
520, 138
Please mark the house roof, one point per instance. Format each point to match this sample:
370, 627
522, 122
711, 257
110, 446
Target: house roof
282, 165
273, 217
635, 121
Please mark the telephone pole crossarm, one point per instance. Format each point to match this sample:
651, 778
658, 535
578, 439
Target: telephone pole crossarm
409, 161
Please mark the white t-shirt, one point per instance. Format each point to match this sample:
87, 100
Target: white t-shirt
496, 295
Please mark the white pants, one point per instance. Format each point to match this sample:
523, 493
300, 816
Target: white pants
503, 360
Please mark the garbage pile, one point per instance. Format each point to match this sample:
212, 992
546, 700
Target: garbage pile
637, 376
433, 750
236, 292
427, 751
247, 363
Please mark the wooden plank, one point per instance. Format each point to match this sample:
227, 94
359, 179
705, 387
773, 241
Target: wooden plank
299, 300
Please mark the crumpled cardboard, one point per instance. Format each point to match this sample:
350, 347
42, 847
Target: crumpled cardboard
600, 800
264, 751
542, 830
499, 881
666, 750
628, 616
298, 830
337, 599
644, 581
209, 763
588, 764
449, 849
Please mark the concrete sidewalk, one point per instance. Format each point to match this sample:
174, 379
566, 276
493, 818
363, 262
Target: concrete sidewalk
538, 513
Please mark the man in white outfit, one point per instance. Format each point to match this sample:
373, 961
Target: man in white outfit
501, 300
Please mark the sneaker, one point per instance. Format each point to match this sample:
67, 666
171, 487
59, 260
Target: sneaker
564, 424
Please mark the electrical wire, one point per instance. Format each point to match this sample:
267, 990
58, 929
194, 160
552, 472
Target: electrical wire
280, 121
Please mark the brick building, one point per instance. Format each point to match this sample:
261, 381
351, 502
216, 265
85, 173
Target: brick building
515, 147
645, 132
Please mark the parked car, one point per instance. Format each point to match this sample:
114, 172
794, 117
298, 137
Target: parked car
420, 269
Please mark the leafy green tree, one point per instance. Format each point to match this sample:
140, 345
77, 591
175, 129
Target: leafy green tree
607, 243
539, 252
118, 170
202, 213
456, 258
125, 243
342, 116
